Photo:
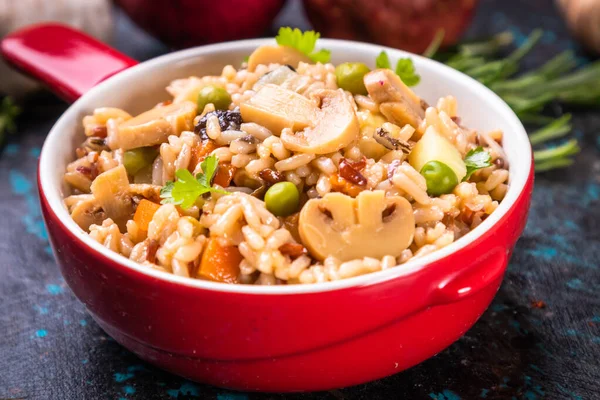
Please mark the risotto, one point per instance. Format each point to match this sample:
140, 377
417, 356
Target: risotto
285, 171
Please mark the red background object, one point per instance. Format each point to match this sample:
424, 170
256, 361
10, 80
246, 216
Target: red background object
405, 24
68, 61
186, 23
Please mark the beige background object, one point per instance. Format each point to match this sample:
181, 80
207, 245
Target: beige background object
583, 18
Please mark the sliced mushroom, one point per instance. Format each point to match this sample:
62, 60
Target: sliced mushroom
87, 212
111, 191
287, 78
95, 125
302, 84
276, 108
78, 181
269, 54
152, 127
276, 77
335, 126
146, 190
396, 101
103, 114
371, 225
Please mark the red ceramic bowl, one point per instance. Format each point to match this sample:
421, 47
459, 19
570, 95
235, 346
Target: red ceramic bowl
279, 338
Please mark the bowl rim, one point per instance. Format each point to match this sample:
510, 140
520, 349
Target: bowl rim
53, 196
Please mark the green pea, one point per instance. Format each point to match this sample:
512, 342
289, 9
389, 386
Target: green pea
440, 178
350, 77
216, 95
136, 159
282, 199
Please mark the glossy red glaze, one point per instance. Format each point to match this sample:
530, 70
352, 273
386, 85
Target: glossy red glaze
185, 23
68, 61
312, 341
284, 342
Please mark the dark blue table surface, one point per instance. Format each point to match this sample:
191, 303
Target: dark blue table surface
51, 349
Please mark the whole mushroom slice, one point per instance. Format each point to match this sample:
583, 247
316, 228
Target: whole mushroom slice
111, 191
371, 225
335, 126
275, 54
397, 102
152, 127
277, 108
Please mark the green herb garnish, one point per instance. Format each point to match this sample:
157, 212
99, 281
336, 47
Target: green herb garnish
435, 44
405, 68
187, 188
304, 42
383, 61
555, 157
554, 130
476, 159
8, 114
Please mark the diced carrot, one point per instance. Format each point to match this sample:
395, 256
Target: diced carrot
220, 263
339, 184
144, 213
200, 152
224, 174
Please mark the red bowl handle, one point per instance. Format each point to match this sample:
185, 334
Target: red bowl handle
468, 282
68, 61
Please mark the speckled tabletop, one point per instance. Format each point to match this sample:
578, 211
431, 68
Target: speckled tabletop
539, 339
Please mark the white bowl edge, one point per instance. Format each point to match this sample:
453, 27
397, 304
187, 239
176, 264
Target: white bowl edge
491, 112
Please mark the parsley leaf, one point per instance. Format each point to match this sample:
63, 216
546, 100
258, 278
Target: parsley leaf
166, 193
383, 61
405, 68
187, 188
304, 42
209, 167
323, 56
476, 159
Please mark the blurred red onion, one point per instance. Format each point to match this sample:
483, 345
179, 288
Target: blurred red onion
404, 24
186, 23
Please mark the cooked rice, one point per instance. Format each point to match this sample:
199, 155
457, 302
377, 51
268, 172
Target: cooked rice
175, 239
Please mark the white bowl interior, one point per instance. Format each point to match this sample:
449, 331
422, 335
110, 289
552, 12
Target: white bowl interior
141, 87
